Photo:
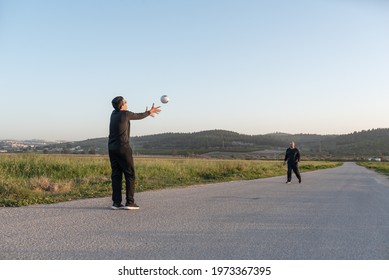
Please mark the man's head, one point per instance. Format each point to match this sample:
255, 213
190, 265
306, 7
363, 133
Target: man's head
119, 103
292, 145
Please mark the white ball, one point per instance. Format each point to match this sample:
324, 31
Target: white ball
164, 99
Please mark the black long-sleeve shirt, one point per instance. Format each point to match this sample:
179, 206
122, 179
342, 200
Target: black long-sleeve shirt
119, 128
292, 155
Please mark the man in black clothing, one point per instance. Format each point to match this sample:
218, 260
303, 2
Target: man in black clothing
292, 157
120, 152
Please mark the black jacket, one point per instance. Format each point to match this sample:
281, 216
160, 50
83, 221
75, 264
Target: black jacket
119, 128
292, 155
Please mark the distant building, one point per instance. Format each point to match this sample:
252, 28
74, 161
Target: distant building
375, 159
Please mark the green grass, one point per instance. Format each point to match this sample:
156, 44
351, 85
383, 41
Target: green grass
381, 167
27, 179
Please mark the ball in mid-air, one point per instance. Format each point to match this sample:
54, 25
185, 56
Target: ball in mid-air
164, 99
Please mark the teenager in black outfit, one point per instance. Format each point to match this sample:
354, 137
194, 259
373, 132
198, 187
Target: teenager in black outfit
292, 158
120, 152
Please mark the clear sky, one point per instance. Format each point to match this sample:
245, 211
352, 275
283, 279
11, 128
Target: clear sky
249, 66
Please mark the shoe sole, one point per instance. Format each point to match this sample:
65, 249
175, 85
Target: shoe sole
130, 208
124, 208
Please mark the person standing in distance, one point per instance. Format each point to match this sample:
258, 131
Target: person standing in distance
292, 158
120, 152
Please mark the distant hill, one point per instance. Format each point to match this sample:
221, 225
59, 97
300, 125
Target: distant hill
222, 143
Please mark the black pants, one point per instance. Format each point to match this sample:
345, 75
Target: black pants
293, 166
122, 162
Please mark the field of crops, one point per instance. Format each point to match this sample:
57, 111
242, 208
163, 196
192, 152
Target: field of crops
27, 179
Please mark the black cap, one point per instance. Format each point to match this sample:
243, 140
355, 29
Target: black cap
117, 102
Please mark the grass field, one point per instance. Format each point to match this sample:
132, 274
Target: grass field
381, 167
27, 179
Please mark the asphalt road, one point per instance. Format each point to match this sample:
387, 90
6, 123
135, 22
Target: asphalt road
340, 213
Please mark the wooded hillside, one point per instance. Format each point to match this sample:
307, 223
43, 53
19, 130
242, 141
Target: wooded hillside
221, 143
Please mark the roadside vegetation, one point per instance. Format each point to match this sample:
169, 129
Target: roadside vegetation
27, 179
381, 167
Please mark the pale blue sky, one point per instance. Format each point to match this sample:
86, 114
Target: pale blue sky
253, 67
